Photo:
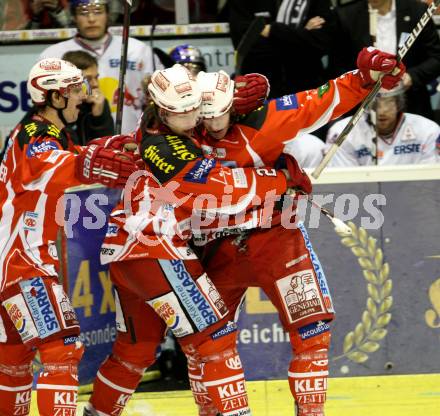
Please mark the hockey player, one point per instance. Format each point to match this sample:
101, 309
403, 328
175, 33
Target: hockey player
35, 314
190, 57
91, 20
280, 260
387, 135
163, 273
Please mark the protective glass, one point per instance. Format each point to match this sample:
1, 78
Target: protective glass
81, 88
385, 105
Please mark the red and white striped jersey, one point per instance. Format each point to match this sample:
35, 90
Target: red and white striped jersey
258, 139
182, 188
38, 166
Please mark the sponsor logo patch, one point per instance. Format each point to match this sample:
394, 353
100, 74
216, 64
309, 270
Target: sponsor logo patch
313, 329
170, 310
323, 89
40, 307
202, 311
199, 173
300, 295
112, 230
20, 317
224, 330
240, 180
41, 147
287, 102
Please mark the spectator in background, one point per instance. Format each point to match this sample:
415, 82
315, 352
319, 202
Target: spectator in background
190, 57
46, 14
394, 20
290, 51
95, 118
307, 149
12, 15
91, 19
387, 135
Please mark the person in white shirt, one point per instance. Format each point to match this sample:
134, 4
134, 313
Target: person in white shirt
91, 19
307, 149
386, 135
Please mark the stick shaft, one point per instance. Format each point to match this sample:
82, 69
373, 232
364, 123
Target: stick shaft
123, 66
403, 50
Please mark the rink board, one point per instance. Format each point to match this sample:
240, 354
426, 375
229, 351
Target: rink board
380, 328
353, 396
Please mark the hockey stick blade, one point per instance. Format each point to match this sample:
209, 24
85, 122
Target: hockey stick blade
403, 49
247, 41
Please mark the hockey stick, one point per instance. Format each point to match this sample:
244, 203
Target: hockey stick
247, 41
152, 30
123, 65
423, 21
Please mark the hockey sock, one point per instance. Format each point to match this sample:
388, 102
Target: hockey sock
119, 376
57, 384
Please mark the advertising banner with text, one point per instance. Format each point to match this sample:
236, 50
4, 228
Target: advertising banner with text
384, 279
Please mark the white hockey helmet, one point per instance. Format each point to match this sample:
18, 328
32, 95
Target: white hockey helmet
398, 93
175, 89
217, 93
52, 74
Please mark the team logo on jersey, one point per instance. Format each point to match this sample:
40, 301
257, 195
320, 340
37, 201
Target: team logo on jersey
287, 102
30, 220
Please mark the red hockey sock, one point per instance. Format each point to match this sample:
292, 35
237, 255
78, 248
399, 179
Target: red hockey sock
119, 375
15, 379
15, 390
57, 384
308, 374
222, 374
199, 390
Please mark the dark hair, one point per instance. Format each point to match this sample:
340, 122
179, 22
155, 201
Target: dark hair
81, 59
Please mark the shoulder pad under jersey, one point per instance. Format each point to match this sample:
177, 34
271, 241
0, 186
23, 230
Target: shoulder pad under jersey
256, 118
166, 154
32, 128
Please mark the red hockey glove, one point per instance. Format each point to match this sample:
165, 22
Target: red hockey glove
298, 178
118, 142
373, 63
250, 92
98, 164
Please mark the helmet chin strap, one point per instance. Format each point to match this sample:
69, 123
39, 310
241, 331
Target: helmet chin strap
59, 111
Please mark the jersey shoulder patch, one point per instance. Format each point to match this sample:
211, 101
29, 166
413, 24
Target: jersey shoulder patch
256, 118
166, 154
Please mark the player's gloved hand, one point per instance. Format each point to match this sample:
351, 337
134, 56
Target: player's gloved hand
297, 179
373, 64
98, 164
122, 142
250, 92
